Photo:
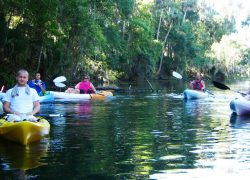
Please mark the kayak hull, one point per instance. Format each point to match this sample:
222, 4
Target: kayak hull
193, 94
24, 132
1, 107
63, 95
47, 98
2, 95
240, 106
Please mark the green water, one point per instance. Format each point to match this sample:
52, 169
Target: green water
136, 136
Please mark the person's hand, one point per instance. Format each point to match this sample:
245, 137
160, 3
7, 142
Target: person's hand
15, 113
39, 84
30, 113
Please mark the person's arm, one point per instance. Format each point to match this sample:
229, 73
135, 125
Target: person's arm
191, 85
6, 108
36, 103
31, 84
42, 86
6, 103
77, 86
203, 85
92, 87
36, 108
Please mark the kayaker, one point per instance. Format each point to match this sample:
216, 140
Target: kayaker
21, 101
83, 87
198, 83
38, 84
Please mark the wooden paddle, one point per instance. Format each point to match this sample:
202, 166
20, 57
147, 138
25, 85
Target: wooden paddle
224, 87
179, 76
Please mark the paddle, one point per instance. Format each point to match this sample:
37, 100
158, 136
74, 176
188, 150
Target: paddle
178, 76
55, 115
46, 115
60, 79
224, 87
2, 89
150, 84
59, 84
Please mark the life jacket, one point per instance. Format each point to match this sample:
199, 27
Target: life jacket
84, 87
197, 85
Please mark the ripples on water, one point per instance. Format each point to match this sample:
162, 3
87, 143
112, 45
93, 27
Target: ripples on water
139, 136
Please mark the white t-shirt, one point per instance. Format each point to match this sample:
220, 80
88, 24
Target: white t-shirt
23, 103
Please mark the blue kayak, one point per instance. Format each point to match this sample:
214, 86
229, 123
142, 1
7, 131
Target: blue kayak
194, 94
240, 106
1, 107
47, 98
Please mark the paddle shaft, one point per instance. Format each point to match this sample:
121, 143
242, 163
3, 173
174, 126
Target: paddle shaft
243, 94
150, 84
45, 115
224, 87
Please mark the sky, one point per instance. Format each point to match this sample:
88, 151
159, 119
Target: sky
238, 8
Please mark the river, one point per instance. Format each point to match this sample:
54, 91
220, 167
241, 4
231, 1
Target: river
138, 135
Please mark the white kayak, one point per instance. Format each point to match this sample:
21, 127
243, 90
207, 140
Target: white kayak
46, 98
194, 94
240, 106
72, 96
64, 95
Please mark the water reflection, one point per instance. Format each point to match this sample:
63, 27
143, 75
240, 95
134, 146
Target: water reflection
15, 156
145, 135
194, 108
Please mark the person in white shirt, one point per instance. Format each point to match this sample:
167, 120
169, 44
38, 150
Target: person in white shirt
21, 101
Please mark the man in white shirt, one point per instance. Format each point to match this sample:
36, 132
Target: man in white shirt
21, 100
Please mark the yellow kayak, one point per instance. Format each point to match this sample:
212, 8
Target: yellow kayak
101, 95
24, 132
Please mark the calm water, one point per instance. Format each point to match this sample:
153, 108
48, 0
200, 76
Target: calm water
137, 136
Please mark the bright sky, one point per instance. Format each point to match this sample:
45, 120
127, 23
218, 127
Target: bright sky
238, 8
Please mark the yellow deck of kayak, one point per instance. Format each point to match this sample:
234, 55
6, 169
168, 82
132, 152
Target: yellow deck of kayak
101, 95
24, 132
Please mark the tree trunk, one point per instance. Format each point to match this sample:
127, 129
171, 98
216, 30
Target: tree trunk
39, 59
159, 25
184, 16
163, 48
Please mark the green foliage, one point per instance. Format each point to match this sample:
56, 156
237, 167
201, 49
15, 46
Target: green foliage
116, 39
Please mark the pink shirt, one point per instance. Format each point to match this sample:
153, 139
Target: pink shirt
84, 85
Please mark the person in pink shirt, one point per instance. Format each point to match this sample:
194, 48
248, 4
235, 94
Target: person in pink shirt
83, 87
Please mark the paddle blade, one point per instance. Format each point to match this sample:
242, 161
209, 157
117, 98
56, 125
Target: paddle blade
220, 85
177, 75
60, 79
58, 84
